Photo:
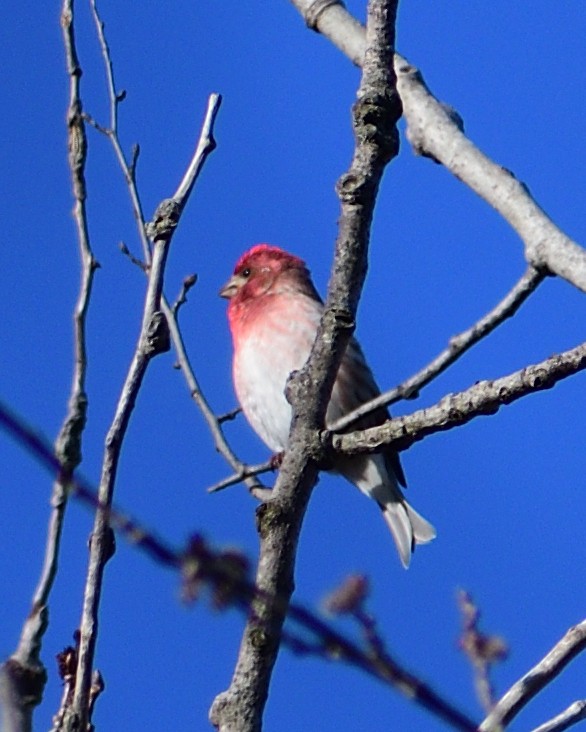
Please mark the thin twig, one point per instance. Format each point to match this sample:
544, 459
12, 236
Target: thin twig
484, 398
143, 266
482, 650
151, 342
205, 147
229, 416
186, 285
68, 442
456, 348
247, 471
575, 713
115, 98
153, 339
542, 674
198, 397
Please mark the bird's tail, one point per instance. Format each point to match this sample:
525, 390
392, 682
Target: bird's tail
407, 527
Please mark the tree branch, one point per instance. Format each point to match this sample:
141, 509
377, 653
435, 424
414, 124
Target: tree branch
573, 643
485, 397
247, 471
153, 339
457, 347
435, 131
575, 713
23, 676
375, 114
205, 146
115, 97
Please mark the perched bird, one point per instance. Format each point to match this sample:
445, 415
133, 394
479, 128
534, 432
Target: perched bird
273, 313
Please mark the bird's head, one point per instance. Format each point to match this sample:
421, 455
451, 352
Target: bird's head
258, 270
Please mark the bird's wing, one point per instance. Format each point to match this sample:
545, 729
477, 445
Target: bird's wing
355, 385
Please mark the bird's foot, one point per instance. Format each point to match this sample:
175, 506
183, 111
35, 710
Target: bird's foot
277, 460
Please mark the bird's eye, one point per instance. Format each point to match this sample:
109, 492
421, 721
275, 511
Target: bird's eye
246, 272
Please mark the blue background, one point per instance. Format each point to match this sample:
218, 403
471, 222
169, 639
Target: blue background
506, 493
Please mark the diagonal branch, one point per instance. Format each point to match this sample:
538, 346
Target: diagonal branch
435, 131
457, 347
205, 147
542, 674
375, 114
225, 574
245, 472
115, 97
575, 713
485, 397
153, 339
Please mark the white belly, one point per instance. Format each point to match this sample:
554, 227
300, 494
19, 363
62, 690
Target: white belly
263, 362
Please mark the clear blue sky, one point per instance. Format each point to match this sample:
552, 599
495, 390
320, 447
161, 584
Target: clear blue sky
506, 493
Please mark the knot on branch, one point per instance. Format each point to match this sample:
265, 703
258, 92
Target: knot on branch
538, 378
68, 445
259, 639
269, 515
157, 339
26, 680
164, 221
314, 11
353, 188
375, 117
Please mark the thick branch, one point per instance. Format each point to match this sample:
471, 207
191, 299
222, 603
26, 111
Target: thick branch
573, 643
485, 397
280, 519
435, 131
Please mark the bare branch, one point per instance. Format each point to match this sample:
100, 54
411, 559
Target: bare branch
375, 114
575, 713
115, 98
432, 129
485, 397
25, 672
198, 397
229, 416
186, 285
153, 339
457, 347
482, 650
205, 146
435, 131
247, 471
542, 674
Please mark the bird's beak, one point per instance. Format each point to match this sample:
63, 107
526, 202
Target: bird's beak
230, 288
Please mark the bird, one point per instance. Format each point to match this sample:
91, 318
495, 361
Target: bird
273, 314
